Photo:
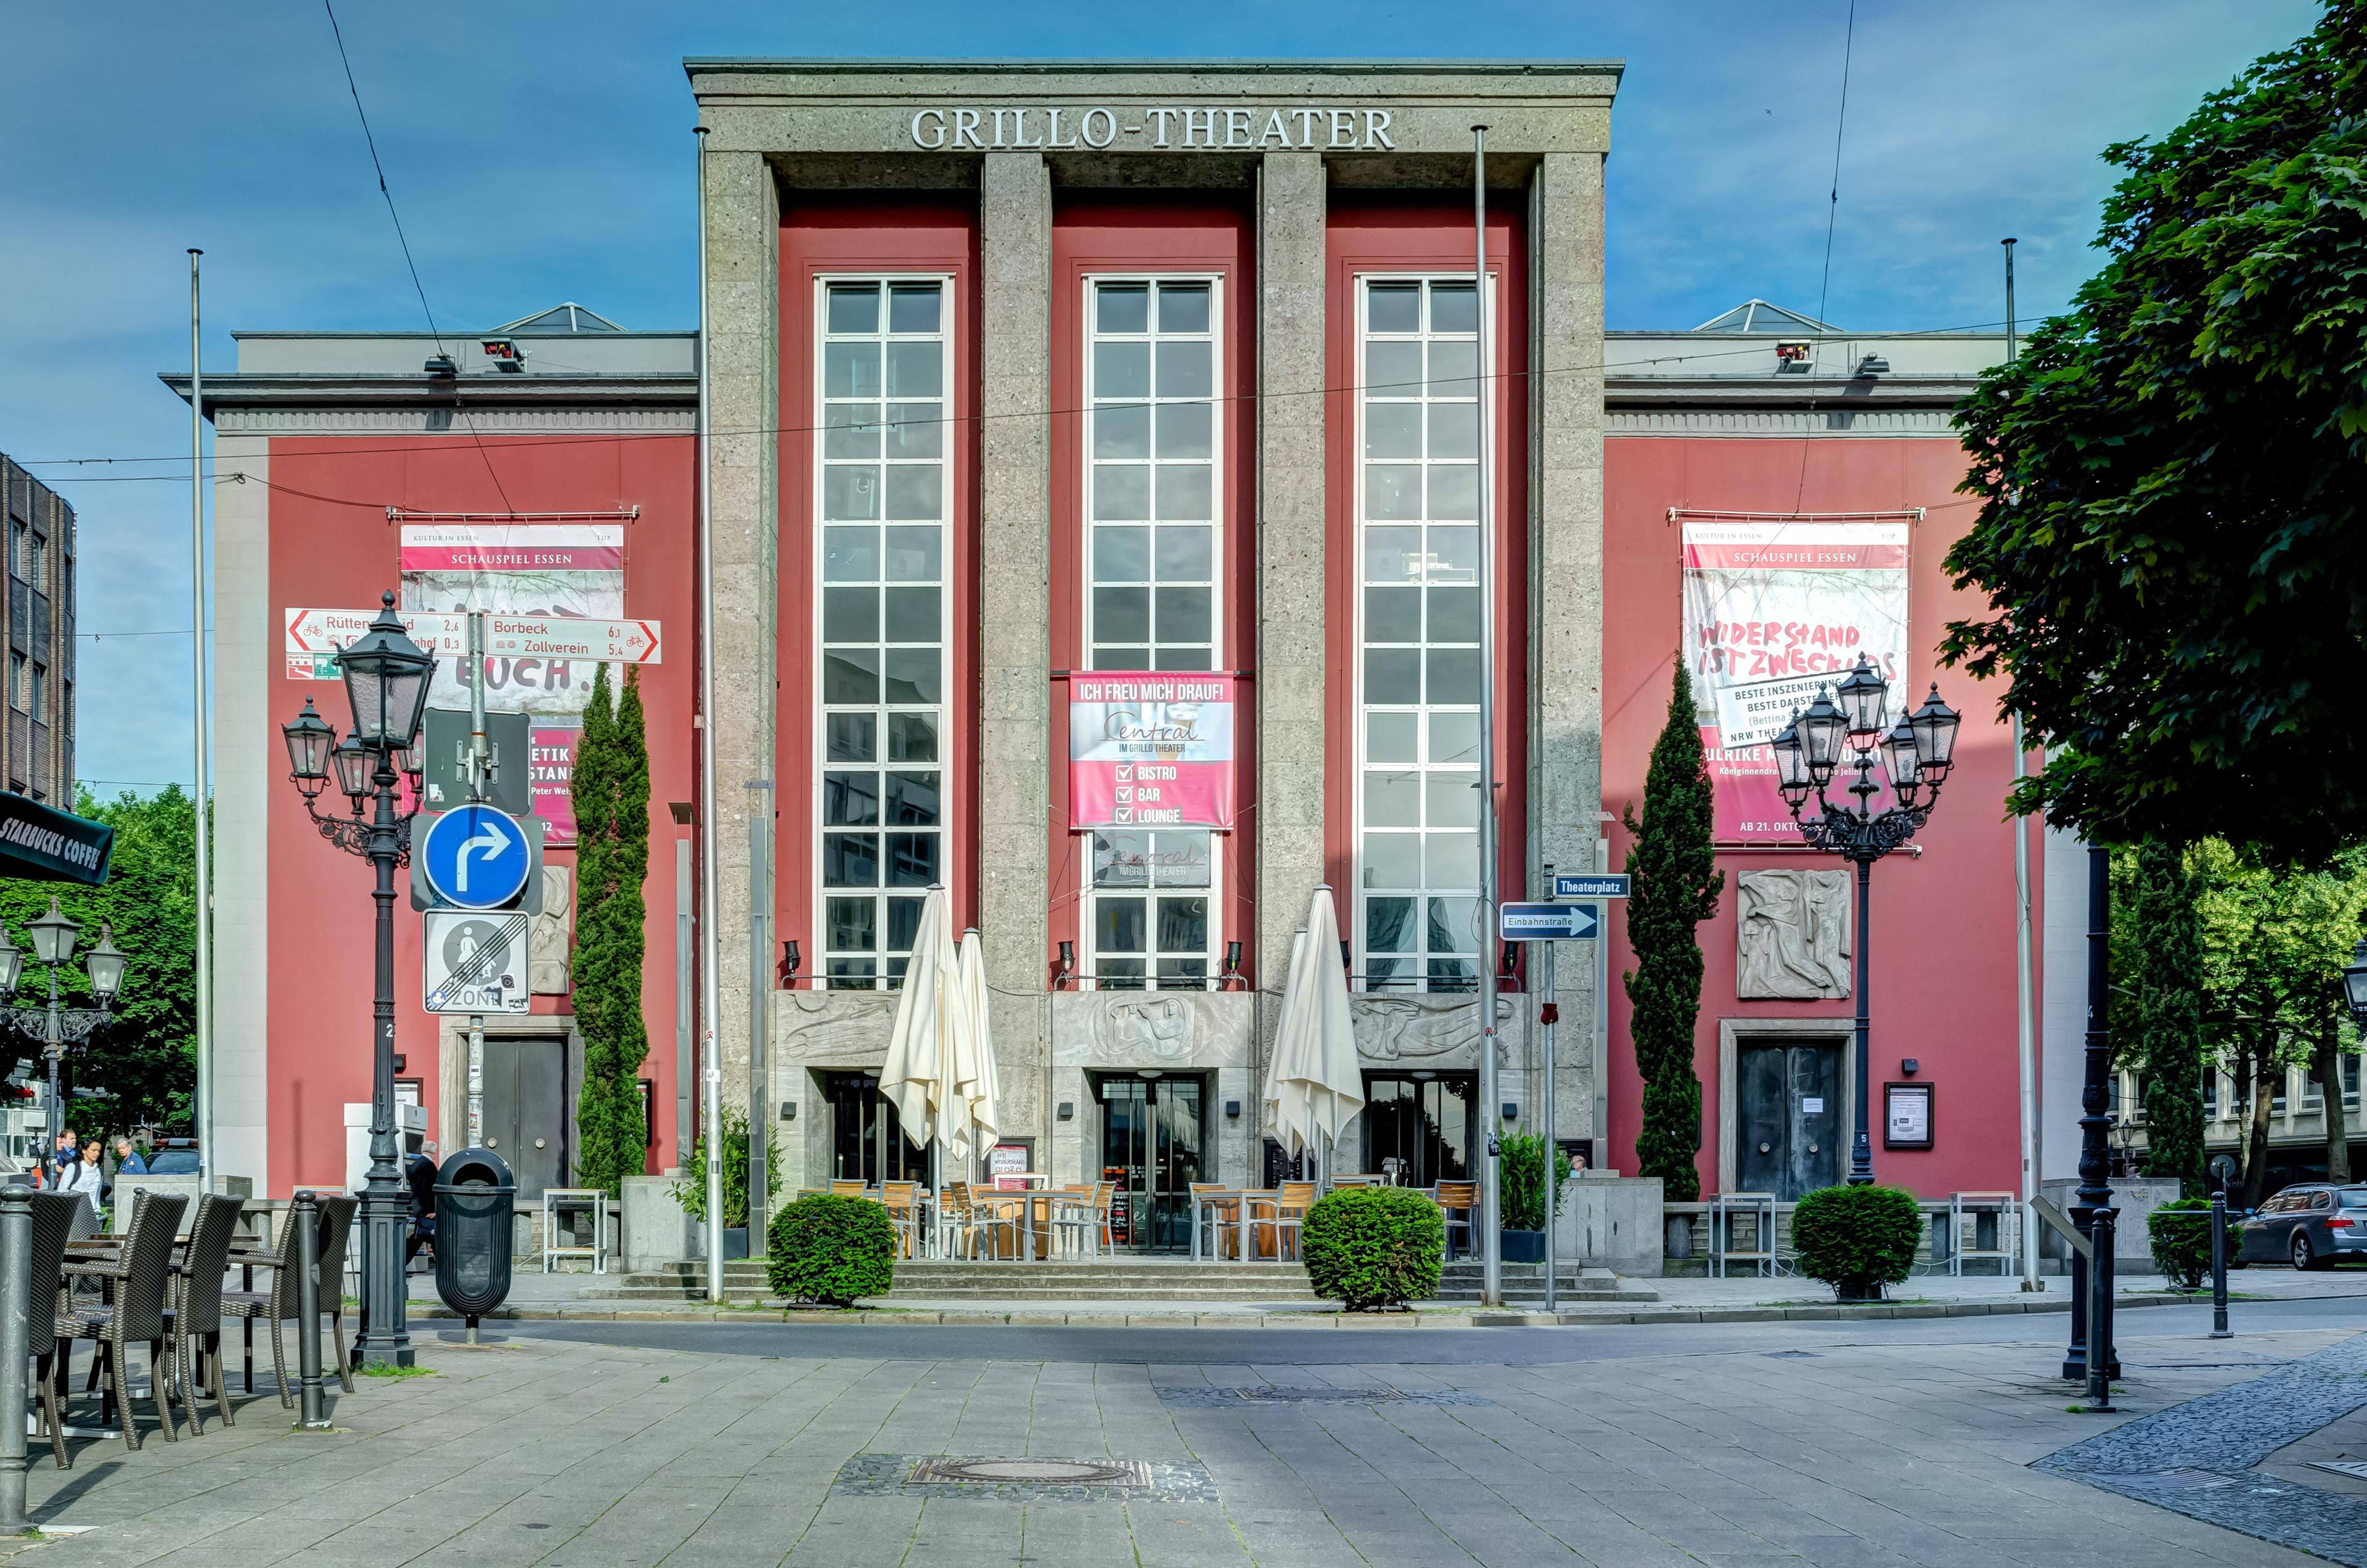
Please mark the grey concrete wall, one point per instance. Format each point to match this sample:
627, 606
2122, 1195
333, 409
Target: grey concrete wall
1014, 618
247, 668
1566, 578
1292, 200
744, 338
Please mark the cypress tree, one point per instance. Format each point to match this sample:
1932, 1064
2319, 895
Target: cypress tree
611, 791
2168, 985
1675, 888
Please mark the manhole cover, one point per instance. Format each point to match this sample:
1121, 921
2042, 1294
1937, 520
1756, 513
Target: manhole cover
2354, 1468
1034, 1471
1267, 1395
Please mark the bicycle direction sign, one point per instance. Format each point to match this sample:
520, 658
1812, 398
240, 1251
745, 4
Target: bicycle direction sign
476, 857
1547, 922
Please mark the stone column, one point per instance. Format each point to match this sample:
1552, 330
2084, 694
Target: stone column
744, 247
1014, 614
249, 701
1565, 580
1290, 686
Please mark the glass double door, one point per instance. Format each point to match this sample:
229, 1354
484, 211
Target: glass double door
867, 1140
1423, 1121
1153, 1135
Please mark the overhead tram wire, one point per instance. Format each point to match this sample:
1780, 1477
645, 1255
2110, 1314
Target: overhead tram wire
1833, 216
605, 437
404, 241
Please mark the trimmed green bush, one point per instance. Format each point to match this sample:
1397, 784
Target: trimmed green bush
1521, 1183
1373, 1247
830, 1250
2180, 1231
1857, 1239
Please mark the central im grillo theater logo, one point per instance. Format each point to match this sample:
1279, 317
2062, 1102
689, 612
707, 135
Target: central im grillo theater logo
1199, 129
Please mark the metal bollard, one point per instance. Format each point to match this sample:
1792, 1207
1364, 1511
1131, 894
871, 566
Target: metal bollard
305, 1214
2100, 1310
2219, 1267
16, 1304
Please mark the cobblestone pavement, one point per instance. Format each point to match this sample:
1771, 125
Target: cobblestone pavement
1746, 1447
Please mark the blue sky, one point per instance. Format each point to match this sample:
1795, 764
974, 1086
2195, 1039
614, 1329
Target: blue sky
541, 152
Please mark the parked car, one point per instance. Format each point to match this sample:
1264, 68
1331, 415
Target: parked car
174, 1157
2310, 1226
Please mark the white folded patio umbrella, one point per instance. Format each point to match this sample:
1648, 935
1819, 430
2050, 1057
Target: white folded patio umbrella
970, 1113
1316, 1083
930, 1026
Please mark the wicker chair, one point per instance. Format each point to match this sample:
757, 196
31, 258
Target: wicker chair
55, 1216
196, 1315
140, 1272
281, 1304
337, 1233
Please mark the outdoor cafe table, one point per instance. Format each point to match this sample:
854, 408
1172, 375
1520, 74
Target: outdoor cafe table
1032, 1210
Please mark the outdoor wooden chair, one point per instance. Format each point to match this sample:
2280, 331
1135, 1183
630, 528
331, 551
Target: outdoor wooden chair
992, 1212
196, 1315
1077, 1217
1216, 1213
54, 1215
140, 1272
902, 1202
957, 1223
1282, 1214
848, 1190
1455, 1198
281, 1303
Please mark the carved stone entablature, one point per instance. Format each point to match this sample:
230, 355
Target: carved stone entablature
833, 1029
1792, 938
1169, 1030
1433, 1032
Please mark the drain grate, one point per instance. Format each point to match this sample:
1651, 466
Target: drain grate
1032, 1472
2354, 1468
1790, 1355
1212, 1397
1022, 1478
2178, 1480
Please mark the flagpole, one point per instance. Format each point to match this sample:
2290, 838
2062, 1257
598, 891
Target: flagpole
1491, 1259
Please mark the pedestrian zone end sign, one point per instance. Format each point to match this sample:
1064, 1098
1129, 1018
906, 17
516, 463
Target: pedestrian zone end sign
1547, 922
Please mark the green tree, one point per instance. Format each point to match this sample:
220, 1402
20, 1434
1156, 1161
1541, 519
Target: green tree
611, 790
2171, 475
2274, 941
1675, 888
2165, 966
146, 1058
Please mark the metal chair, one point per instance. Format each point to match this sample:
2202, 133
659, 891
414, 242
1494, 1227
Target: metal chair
1077, 1218
956, 1220
140, 1272
54, 1215
1285, 1212
993, 1211
1207, 1196
1455, 1198
196, 1315
848, 1190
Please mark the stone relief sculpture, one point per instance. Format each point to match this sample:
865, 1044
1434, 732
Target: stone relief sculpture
547, 934
844, 1028
1156, 1030
1793, 935
1412, 1029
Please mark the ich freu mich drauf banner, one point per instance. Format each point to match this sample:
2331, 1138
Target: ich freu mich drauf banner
1150, 749
1774, 611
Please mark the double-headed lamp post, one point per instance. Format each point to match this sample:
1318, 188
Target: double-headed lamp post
386, 677
53, 943
1915, 753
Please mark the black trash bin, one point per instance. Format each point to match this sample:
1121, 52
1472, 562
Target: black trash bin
475, 1199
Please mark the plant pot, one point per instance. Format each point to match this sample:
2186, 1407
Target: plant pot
1677, 1237
1860, 1291
1522, 1247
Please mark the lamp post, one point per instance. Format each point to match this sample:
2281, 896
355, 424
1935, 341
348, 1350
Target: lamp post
386, 677
1915, 753
2354, 983
53, 943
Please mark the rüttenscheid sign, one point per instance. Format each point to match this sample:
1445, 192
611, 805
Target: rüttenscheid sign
38, 844
1169, 128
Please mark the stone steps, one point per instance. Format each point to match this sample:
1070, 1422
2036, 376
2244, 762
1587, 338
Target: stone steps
958, 1279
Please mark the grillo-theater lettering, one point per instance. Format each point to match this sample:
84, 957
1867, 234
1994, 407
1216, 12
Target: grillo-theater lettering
1199, 129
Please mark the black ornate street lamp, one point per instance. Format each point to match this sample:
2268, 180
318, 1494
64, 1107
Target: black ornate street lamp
386, 677
1917, 754
53, 943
